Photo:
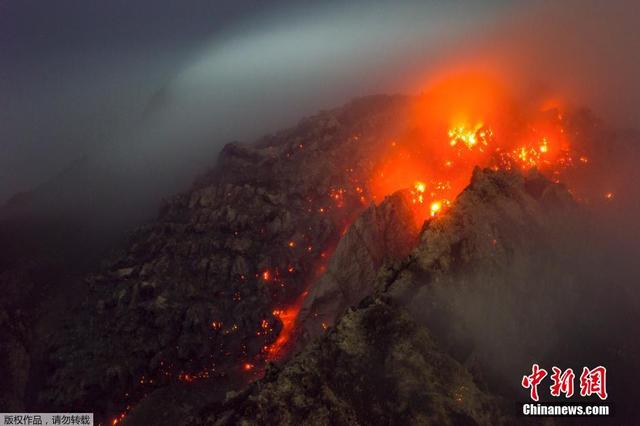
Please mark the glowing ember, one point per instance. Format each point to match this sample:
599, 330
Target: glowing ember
338, 195
119, 418
418, 192
466, 123
469, 137
436, 206
184, 377
544, 146
457, 126
287, 317
460, 127
528, 157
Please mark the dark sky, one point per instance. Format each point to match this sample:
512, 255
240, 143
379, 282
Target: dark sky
32, 29
77, 75
64, 64
74, 72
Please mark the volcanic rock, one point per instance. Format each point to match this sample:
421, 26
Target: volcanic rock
193, 297
382, 233
376, 366
482, 272
193, 293
381, 364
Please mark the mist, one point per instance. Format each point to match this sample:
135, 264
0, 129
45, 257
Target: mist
569, 299
109, 108
137, 119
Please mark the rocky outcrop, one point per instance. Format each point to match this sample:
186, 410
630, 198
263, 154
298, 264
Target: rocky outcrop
192, 295
191, 305
482, 274
376, 366
381, 363
387, 232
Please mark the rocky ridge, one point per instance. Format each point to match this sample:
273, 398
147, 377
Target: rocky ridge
381, 364
192, 295
187, 310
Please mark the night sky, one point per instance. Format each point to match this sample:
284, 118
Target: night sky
79, 75
66, 66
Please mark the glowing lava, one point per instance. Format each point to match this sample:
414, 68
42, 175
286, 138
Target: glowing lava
455, 127
119, 418
470, 137
435, 207
465, 123
427, 200
287, 317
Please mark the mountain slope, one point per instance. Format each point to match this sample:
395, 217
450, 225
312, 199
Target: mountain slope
454, 323
193, 294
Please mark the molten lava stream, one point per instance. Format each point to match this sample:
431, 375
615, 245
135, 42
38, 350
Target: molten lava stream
437, 159
288, 317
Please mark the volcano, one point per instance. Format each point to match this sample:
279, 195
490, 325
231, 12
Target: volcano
373, 248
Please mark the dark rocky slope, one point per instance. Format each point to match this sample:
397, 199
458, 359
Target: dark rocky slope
380, 235
192, 295
377, 366
188, 309
424, 348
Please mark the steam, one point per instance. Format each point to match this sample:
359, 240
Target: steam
567, 299
270, 69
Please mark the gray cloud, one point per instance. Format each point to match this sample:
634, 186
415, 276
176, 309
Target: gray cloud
79, 75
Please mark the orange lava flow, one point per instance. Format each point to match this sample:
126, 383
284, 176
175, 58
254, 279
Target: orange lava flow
466, 122
119, 418
462, 122
287, 317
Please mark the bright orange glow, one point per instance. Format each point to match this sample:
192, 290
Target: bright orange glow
184, 377
436, 206
287, 317
459, 123
119, 418
418, 192
544, 146
470, 137
462, 122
